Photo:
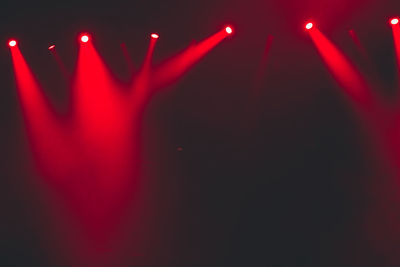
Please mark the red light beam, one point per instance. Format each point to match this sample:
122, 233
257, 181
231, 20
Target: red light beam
128, 58
40, 119
141, 82
262, 66
174, 68
60, 63
396, 38
95, 93
347, 76
357, 42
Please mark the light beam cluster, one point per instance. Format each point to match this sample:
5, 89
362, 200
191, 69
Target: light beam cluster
89, 158
92, 158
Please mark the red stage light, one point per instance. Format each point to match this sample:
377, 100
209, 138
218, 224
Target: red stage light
394, 21
229, 30
84, 38
309, 26
52, 47
154, 36
12, 43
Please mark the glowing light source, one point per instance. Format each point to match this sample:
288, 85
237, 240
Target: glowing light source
154, 36
309, 26
12, 43
229, 30
394, 21
84, 38
52, 47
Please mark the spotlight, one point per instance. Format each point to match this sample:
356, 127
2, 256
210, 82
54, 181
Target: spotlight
394, 21
309, 26
12, 43
154, 36
52, 47
229, 30
84, 38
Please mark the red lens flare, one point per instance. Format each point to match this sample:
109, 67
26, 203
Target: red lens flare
154, 36
84, 38
12, 43
52, 47
394, 21
229, 30
309, 26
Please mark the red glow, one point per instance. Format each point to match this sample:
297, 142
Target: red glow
155, 36
84, 38
12, 43
309, 26
394, 21
229, 30
52, 47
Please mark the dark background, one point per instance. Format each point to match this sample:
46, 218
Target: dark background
283, 179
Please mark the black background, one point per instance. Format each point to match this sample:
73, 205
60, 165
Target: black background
287, 180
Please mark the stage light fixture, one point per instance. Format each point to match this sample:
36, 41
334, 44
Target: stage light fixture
229, 30
309, 26
154, 36
394, 21
52, 47
12, 43
84, 38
